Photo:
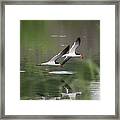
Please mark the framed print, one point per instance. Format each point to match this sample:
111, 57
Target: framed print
60, 59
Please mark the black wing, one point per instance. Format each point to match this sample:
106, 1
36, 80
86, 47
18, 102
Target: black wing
60, 54
78, 40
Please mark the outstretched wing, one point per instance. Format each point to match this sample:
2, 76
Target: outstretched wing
65, 60
60, 54
75, 45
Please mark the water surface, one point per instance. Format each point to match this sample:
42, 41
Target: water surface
40, 41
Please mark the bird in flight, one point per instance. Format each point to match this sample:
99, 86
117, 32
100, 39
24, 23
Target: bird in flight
53, 60
72, 52
67, 53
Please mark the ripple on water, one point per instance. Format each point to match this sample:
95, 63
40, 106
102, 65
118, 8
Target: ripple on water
95, 90
62, 72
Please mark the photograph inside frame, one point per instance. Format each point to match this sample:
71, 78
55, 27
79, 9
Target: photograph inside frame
60, 60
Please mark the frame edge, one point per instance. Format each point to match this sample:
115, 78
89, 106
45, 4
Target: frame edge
2, 64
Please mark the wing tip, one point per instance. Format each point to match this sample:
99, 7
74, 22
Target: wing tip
78, 39
68, 46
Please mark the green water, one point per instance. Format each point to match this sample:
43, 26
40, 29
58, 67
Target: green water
40, 41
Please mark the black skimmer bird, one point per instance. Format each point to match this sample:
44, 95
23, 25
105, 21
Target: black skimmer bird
72, 52
53, 61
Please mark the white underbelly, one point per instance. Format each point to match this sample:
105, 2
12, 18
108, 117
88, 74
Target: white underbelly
72, 55
52, 63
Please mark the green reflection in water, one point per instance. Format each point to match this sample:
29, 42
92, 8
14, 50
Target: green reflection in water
38, 46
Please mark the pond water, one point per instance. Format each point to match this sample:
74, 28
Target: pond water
62, 72
78, 79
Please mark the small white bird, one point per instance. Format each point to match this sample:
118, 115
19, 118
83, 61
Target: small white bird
53, 61
67, 91
72, 52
